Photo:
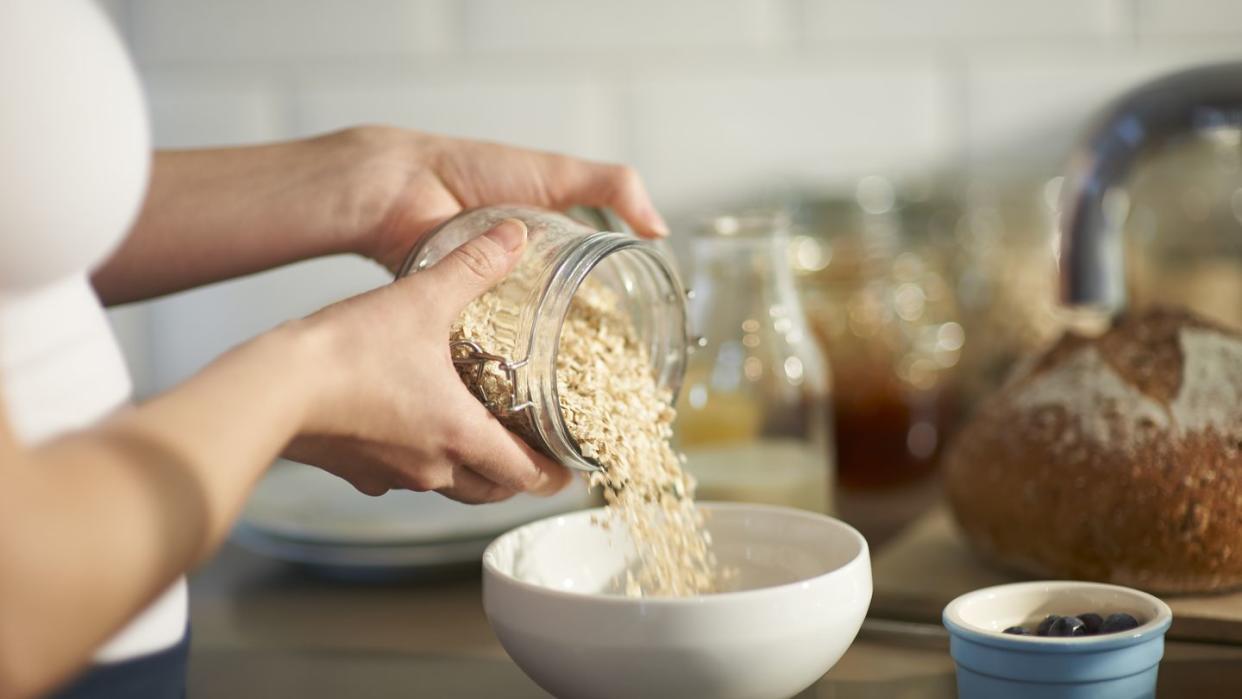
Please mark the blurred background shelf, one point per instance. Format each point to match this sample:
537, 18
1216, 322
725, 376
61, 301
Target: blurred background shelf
915, 148
714, 101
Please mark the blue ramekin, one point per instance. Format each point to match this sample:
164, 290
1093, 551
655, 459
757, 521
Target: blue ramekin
991, 664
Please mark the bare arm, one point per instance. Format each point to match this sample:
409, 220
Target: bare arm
212, 214
95, 525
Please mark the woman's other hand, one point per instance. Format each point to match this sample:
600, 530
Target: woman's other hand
216, 213
413, 181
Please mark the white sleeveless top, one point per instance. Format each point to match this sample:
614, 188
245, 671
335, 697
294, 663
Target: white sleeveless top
74, 161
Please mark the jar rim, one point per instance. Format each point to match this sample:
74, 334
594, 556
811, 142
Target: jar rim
589, 254
747, 224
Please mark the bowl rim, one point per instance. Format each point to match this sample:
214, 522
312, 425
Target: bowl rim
959, 627
862, 558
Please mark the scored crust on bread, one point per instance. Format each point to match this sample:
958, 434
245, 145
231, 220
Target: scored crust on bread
1117, 458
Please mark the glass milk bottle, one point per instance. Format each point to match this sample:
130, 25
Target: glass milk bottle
752, 418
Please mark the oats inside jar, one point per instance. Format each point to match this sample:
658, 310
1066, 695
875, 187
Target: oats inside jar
621, 419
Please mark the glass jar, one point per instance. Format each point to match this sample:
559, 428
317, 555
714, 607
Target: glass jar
753, 420
885, 312
561, 253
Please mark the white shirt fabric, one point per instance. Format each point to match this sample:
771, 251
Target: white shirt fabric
74, 161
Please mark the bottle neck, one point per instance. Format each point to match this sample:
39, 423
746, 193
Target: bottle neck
741, 274
768, 255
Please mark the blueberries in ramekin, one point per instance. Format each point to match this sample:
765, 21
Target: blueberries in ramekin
1116, 623
1092, 622
1085, 624
1067, 626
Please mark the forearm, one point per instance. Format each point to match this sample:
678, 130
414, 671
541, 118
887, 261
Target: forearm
95, 525
214, 214
219, 213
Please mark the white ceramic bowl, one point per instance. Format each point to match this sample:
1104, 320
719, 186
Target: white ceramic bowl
804, 587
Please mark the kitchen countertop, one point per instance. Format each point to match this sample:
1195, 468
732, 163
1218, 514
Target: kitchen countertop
263, 628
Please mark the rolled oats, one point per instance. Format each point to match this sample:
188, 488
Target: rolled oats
619, 418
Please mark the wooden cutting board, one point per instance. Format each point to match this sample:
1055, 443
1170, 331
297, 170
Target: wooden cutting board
927, 565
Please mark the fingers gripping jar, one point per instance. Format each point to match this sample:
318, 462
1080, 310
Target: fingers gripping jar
505, 346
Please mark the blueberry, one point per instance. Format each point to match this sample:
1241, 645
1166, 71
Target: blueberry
1092, 621
1116, 623
1042, 629
1017, 631
1067, 626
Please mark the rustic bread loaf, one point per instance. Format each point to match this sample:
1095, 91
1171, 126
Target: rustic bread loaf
1116, 458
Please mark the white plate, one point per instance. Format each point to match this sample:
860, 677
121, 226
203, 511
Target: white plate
357, 560
298, 503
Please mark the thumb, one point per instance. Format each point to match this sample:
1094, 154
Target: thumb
475, 266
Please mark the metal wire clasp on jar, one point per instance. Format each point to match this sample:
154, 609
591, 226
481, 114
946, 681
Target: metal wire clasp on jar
507, 354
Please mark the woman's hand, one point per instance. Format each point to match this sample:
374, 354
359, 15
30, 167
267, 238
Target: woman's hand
364, 388
417, 180
397, 415
394, 413
213, 214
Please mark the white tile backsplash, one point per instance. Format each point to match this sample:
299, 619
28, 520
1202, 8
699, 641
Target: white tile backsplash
191, 110
570, 115
711, 99
1026, 116
979, 20
1200, 18
263, 30
192, 328
543, 26
701, 138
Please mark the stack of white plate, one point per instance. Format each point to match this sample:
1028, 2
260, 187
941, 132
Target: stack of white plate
304, 515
